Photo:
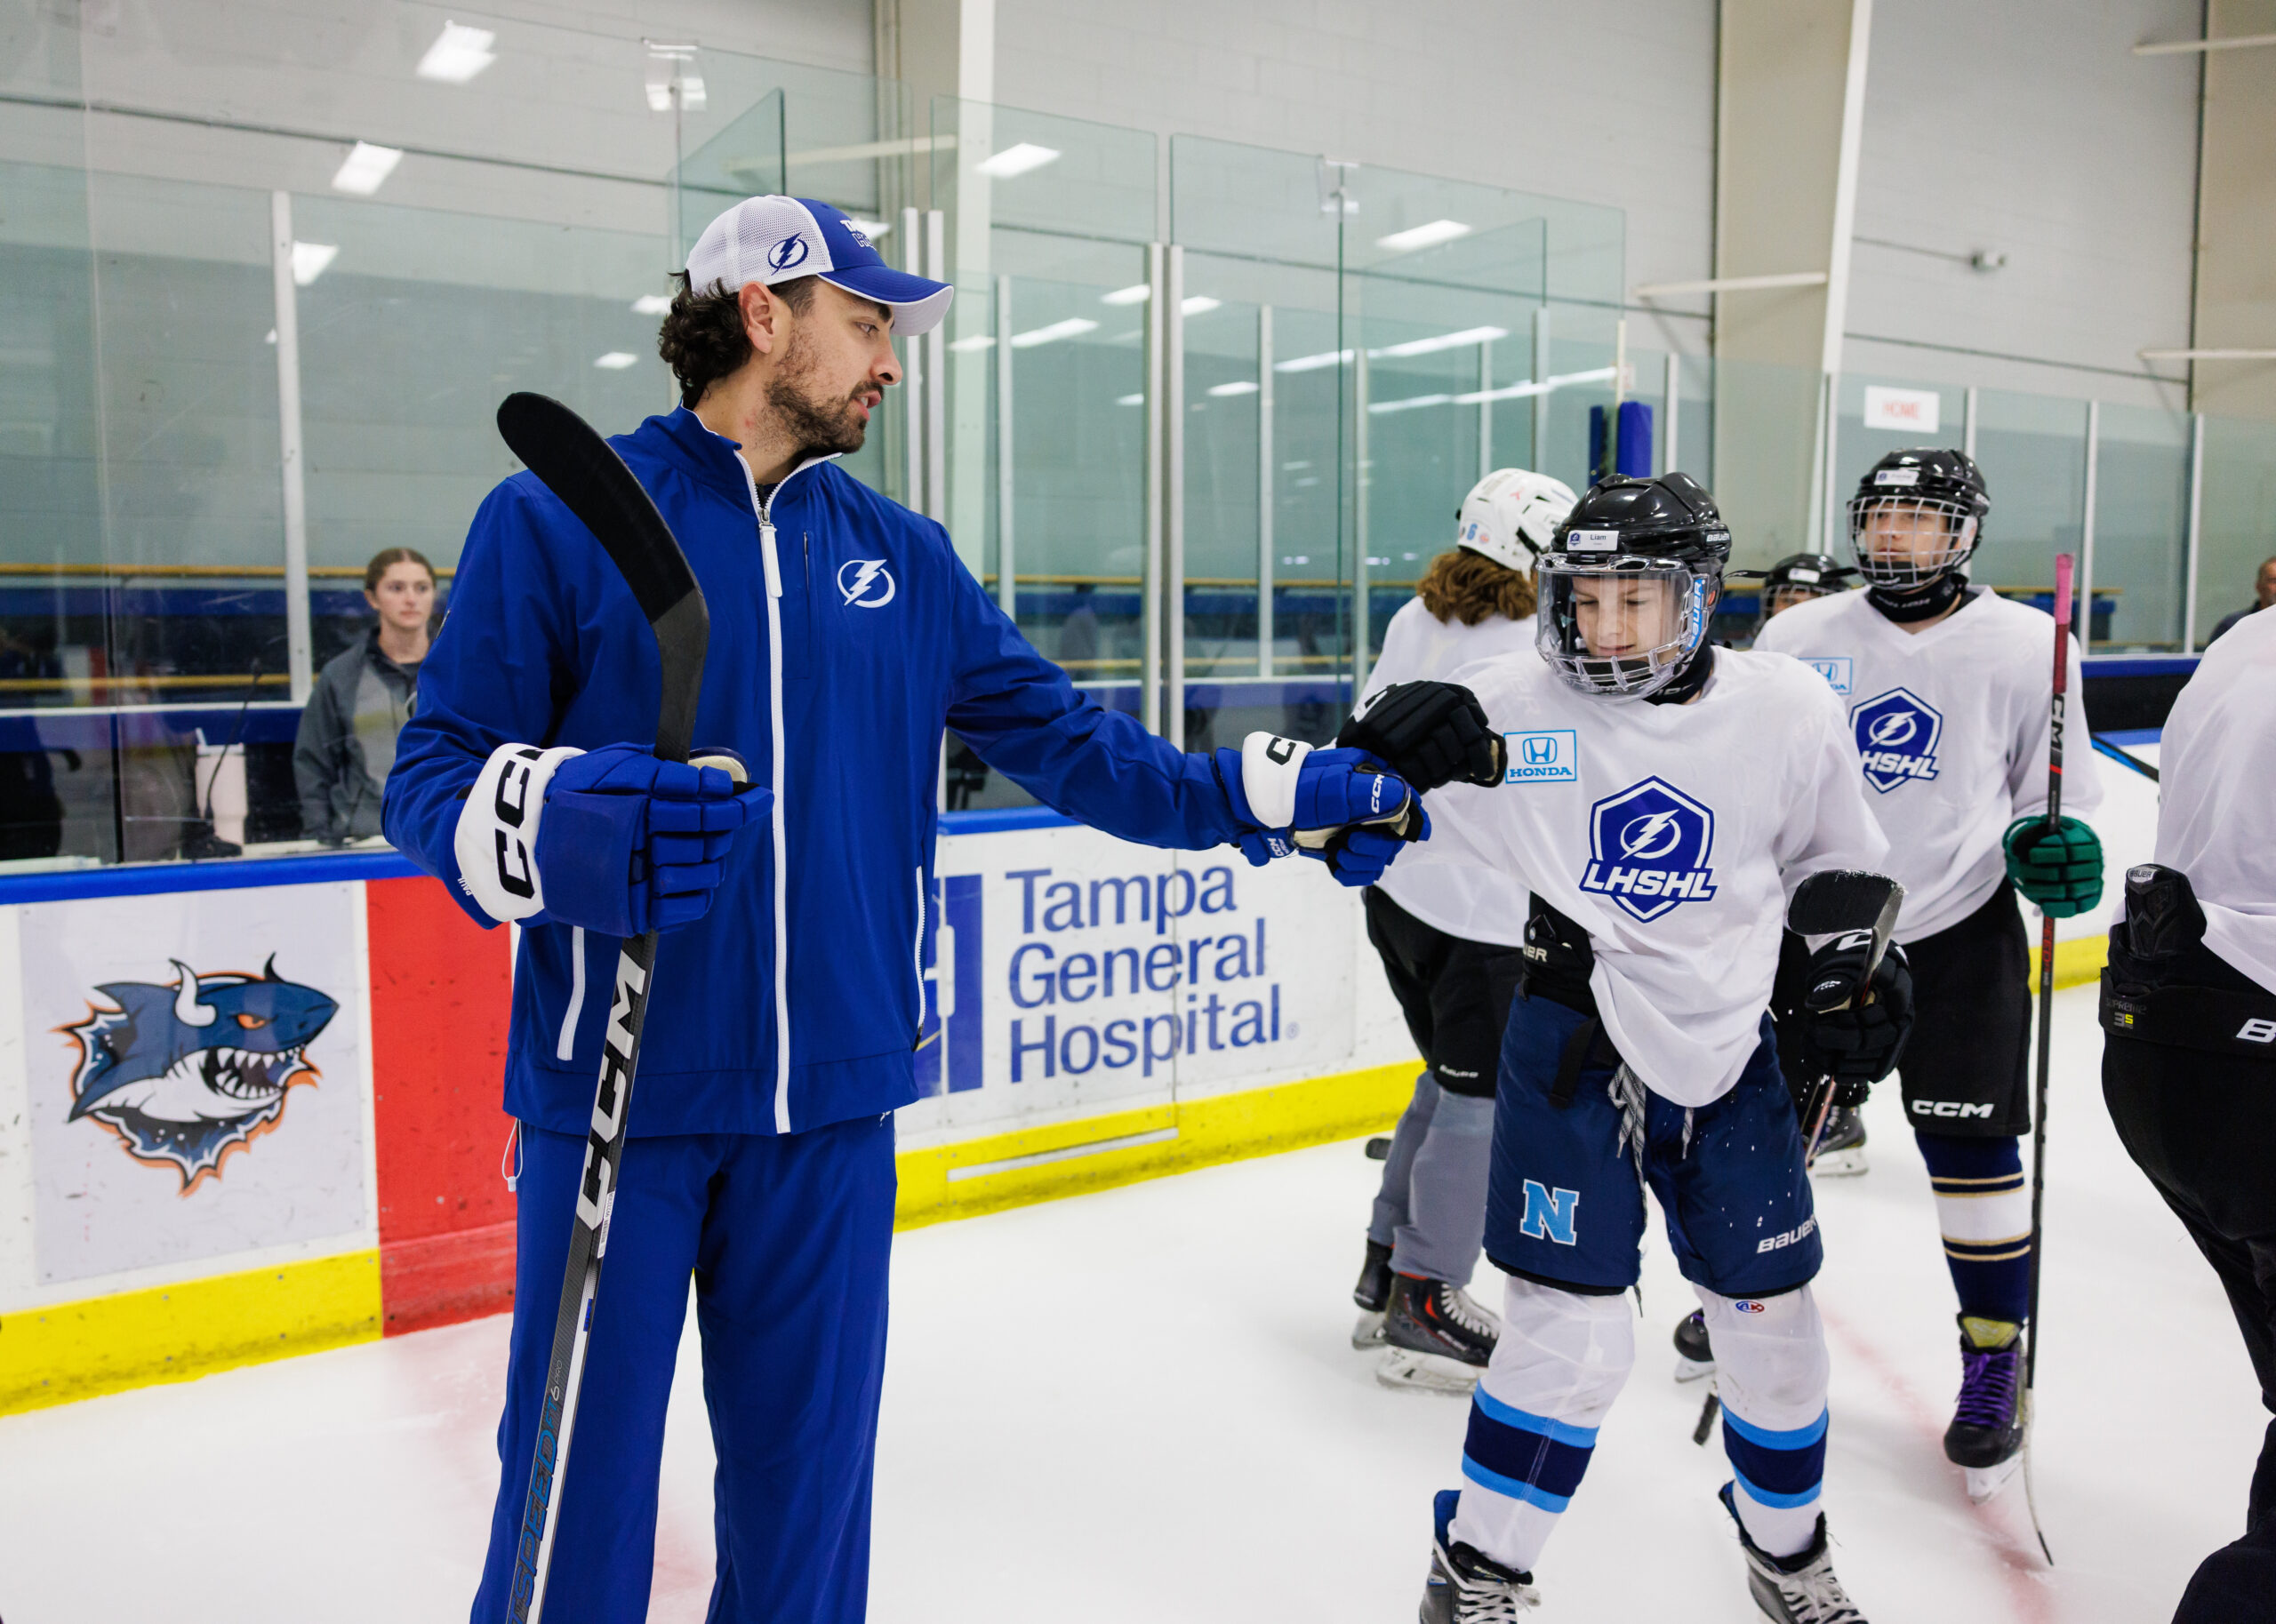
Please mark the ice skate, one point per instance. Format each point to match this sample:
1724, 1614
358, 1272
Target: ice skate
1373, 1294
1437, 1339
1693, 1355
1986, 1435
1796, 1590
1841, 1151
1466, 1588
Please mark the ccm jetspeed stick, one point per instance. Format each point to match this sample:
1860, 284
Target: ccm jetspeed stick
591, 480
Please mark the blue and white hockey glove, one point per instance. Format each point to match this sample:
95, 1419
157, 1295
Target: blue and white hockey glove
2058, 866
612, 839
1294, 798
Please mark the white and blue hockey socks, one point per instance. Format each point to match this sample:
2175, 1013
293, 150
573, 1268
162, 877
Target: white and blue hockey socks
1771, 1369
1561, 1361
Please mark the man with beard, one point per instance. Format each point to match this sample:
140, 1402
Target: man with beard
846, 635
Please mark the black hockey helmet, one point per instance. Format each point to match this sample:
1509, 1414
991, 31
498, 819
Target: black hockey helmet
1917, 515
1796, 577
1629, 584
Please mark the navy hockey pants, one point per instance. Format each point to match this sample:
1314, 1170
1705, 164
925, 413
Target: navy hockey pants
787, 1239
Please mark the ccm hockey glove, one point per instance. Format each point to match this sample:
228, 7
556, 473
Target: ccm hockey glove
613, 839
2058, 865
1855, 1038
1429, 734
1294, 797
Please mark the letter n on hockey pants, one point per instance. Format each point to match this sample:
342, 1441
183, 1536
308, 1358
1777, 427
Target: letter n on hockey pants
1549, 1214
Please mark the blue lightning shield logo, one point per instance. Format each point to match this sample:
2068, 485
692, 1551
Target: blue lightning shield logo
1650, 848
1897, 733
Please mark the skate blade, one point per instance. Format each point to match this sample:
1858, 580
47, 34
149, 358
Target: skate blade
1693, 1370
1367, 1331
1983, 1482
1406, 1370
1839, 1163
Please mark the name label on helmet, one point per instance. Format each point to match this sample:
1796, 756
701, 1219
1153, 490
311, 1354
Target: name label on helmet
1898, 477
1592, 540
1802, 574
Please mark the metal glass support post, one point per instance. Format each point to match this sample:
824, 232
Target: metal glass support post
2087, 532
1007, 589
912, 385
2196, 507
1174, 487
1485, 407
1672, 414
1541, 401
1967, 422
936, 379
1361, 606
298, 645
1264, 471
1150, 590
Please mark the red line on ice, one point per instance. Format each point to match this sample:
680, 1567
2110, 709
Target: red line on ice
2020, 1565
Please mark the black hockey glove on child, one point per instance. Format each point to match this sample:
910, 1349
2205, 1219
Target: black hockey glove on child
1857, 1037
1428, 733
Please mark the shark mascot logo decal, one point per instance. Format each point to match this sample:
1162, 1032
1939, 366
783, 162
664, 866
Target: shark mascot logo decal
187, 1073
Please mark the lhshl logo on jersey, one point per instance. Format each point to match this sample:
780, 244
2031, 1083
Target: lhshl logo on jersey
1651, 843
1896, 738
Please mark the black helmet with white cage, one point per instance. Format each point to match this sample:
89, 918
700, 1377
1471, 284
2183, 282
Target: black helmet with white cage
1629, 585
1918, 516
1797, 577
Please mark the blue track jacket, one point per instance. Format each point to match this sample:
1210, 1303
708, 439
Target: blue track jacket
797, 1002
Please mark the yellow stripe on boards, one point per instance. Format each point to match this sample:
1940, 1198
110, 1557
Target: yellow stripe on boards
1042, 1164
2078, 962
74, 1350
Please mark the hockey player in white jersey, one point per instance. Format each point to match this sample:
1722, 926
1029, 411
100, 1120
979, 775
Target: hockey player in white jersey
1662, 799
1449, 938
1948, 689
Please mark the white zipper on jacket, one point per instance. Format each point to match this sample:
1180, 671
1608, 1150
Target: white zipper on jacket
920, 954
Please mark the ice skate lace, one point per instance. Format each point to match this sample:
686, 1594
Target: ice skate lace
1456, 1304
1816, 1597
1482, 1599
1987, 1388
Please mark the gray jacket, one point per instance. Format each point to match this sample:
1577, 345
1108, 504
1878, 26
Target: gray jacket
346, 744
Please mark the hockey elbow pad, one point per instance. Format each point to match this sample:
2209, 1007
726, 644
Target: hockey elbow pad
1429, 734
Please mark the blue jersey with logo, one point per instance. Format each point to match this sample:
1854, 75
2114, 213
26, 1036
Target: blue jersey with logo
797, 1001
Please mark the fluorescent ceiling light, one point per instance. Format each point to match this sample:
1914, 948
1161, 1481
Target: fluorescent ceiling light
1130, 400
1243, 387
1423, 237
1071, 327
1312, 364
1137, 293
366, 168
310, 261
1200, 304
977, 341
651, 304
1463, 339
1547, 386
1017, 160
458, 54
616, 360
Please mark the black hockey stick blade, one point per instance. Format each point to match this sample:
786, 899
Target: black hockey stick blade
585, 472
1701, 1432
2126, 756
1837, 901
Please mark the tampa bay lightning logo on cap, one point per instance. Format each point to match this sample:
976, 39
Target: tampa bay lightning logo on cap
1651, 845
788, 253
1897, 733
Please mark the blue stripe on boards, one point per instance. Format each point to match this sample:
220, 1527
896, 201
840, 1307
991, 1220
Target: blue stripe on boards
1800, 1437
1526, 1420
1767, 1496
1527, 1493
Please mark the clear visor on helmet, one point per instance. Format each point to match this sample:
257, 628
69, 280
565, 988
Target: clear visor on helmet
1904, 541
1622, 626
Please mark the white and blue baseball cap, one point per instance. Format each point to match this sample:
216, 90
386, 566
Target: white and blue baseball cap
772, 239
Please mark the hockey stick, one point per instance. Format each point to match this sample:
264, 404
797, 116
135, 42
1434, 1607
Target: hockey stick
2126, 756
591, 480
2046, 1034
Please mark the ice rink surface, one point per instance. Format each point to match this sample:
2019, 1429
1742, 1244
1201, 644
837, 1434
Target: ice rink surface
1141, 1405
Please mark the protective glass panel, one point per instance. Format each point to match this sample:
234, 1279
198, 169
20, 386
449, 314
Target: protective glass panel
2141, 552
2032, 450
2238, 494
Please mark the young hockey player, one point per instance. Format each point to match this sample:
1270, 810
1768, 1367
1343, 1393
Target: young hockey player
1795, 579
2189, 1061
1449, 938
1948, 688
844, 635
1696, 787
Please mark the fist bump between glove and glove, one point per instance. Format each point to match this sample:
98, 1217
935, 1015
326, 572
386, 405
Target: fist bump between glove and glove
1355, 805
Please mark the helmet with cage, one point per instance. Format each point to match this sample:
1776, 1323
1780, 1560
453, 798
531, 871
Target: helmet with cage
1799, 576
1510, 515
1917, 517
1629, 585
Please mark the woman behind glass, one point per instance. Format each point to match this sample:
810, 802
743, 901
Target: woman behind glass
362, 698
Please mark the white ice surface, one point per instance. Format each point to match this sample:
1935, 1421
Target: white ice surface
1140, 1405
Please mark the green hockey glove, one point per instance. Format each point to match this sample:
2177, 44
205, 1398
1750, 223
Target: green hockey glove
2058, 866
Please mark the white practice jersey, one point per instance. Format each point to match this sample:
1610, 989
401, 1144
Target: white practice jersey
2217, 794
1952, 726
1673, 835
1475, 904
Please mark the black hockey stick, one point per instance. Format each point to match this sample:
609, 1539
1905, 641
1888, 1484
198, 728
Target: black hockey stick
1834, 903
2126, 756
2046, 1033
591, 480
